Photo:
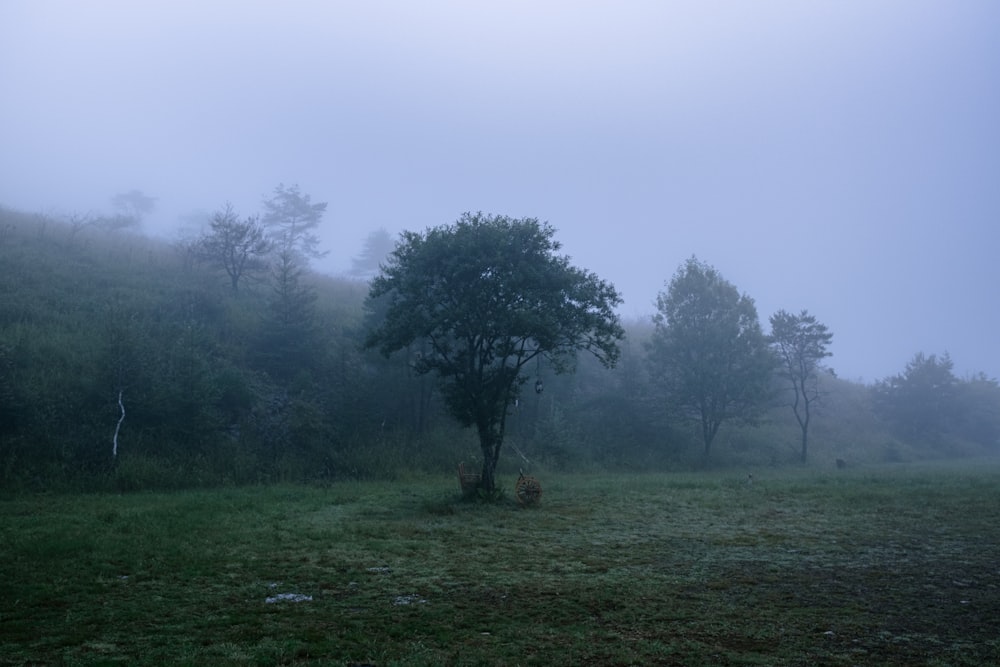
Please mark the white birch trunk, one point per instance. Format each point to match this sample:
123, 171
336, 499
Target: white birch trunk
114, 441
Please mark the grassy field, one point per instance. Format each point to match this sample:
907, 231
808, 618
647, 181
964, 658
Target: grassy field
881, 566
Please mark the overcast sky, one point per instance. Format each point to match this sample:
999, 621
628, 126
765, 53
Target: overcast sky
836, 156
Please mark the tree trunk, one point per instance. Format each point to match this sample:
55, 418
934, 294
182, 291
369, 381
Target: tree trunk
489, 446
804, 423
709, 428
491, 434
488, 481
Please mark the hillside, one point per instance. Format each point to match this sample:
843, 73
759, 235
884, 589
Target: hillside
224, 388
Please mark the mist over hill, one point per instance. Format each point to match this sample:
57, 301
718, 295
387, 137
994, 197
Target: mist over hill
130, 362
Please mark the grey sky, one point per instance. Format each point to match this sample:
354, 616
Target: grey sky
842, 157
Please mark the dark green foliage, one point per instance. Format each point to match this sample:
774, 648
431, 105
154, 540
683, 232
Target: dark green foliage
10, 403
927, 403
708, 350
275, 385
289, 335
486, 297
84, 317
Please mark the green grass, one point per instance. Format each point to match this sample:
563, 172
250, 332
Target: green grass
879, 566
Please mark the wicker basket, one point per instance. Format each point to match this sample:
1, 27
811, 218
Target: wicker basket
528, 490
468, 480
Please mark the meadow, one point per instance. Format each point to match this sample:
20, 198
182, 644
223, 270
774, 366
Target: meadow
880, 565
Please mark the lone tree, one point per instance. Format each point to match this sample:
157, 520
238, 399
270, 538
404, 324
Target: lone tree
800, 343
708, 349
239, 247
488, 295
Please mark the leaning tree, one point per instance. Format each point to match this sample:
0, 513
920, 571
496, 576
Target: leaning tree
487, 295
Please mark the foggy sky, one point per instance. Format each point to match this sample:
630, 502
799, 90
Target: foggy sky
842, 157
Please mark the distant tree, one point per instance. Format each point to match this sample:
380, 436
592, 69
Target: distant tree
921, 402
288, 335
79, 221
239, 247
377, 247
130, 209
133, 203
979, 397
292, 219
800, 343
488, 294
707, 349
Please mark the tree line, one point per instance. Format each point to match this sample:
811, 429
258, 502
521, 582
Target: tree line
225, 359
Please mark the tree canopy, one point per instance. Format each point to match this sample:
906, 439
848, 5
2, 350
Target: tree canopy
377, 246
292, 219
922, 401
488, 295
800, 342
276, 385
134, 204
708, 350
238, 247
